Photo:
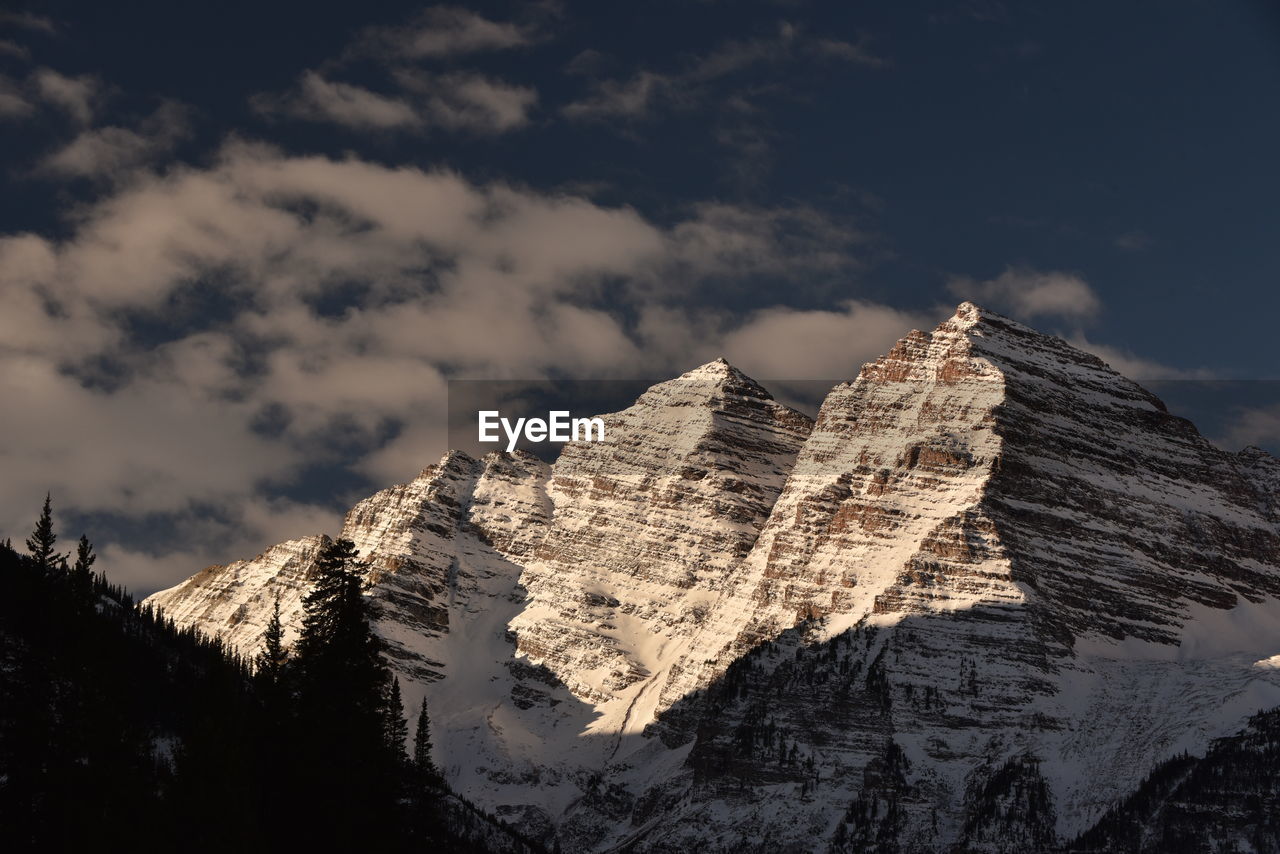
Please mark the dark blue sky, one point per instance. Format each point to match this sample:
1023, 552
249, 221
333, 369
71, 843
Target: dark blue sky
243, 246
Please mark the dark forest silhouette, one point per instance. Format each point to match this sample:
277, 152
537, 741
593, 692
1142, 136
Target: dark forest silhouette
121, 731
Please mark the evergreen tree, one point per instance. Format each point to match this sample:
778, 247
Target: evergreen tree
422, 744
338, 653
334, 613
82, 573
84, 556
348, 779
271, 661
40, 543
396, 727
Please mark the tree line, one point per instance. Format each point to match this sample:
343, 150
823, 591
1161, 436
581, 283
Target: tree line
120, 730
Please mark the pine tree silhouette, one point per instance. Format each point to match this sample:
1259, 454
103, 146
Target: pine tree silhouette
112, 718
422, 744
349, 780
397, 728
271, 661
82, 574
40, 543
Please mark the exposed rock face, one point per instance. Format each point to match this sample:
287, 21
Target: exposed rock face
971, 607
647, 525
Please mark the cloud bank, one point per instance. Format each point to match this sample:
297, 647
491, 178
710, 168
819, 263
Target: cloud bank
205, 337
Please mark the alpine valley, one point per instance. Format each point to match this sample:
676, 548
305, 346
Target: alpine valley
996, 598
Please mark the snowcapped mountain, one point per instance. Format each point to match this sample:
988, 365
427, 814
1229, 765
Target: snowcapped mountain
971, 607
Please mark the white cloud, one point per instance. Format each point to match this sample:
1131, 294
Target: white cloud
1259, 426
443, 32
470, 102
29, 21
629, 98
857, 52
77, 96
489, 280
213, 540
12, 48
692, 85
1137, 367
785, 343
318, 99
107, 152
738, 239
457, 102
148, 447
13, 102
1029, 294
1134, 241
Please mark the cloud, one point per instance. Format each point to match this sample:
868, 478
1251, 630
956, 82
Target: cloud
470, 102
456, 102
1258, 426
630, 98
77, 96
1030, 294
1134, 241
645, 92
12, 48
785, 343
29, 21
108, 152
441, 32
348, 291
857, 52
587, 62
12, 101
211, 539
1137, 367
734, 84
738, 240
317, 99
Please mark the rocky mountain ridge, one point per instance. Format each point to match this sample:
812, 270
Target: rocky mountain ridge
969, 608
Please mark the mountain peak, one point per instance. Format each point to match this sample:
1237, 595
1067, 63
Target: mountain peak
978, 342
714, 380
970, 316
719, 368
968, 311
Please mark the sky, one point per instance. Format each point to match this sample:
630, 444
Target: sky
244, 247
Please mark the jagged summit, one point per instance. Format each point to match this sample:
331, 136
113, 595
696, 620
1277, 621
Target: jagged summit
970, 314
715, 381
718, 365
719, 369
976, 333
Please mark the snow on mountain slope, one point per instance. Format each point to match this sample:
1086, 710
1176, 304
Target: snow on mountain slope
235, 601
992, 586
